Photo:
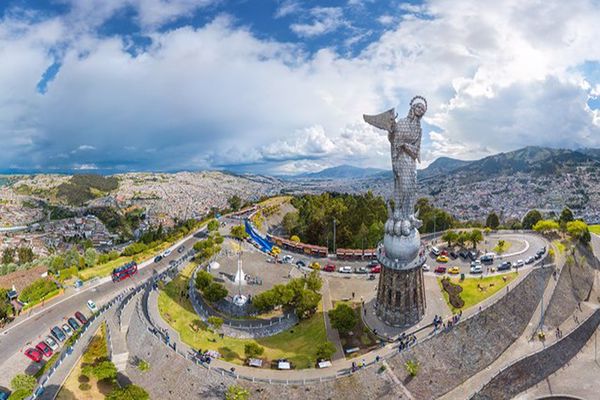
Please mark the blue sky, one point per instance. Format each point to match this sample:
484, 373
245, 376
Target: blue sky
279, 86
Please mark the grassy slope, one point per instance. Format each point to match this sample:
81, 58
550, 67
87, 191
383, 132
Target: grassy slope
471, 293
297, 344
594, 229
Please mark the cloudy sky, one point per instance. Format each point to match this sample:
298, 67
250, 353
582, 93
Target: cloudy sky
279, 86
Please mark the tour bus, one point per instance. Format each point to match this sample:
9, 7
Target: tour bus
124, 271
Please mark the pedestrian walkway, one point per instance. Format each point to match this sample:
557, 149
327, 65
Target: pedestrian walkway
332, 334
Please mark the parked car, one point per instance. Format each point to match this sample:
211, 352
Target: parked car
473, 255
73, 323
329, 268
67, 329
346, 269
435, 251
4, 395
166, 253
506, 265
92, 306
51, 343
530, 260
444, 252
301, 264
81, 318
316, 266
44, 349
519, 264
158, 258
440, 270
443, 259
78, 283
476, 269
287, 259
181, 249
372, 263
34, 354
376, 269
487, 258
453, 255
462, 254
538, 256
454, 270
362, 270
58, 334
426, 267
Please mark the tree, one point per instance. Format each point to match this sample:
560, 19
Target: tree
8, 256
343, 318
307, 304
212, 225
25, 255
129, 392
290, 222
235, 392
325, 351
215, 292
239, 232
235, 202
475, 237
449, 237
23, 382
566, 215
546, 226
20, 394
461, 238
314, 281
492, 220
579, 230
531, 218
253, 350
90, 257
412, 367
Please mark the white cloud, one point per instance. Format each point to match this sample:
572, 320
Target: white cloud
287, 7
324, 20
497, 77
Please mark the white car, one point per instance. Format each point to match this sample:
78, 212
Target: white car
476, 269
92, 306
167, 252
51, 343
519, 263
67, 329
346, 269
426, 267
287, 259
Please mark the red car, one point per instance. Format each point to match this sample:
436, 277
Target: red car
81, 318
376, 269
440, 270
329, 268
444, 253
34, 354
44, 348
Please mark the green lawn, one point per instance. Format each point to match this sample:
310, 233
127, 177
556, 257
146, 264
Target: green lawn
298, 344
502, 249
594, 229
472, 294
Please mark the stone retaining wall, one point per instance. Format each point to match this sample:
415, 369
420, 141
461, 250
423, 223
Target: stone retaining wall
448, 359
574, 285
530, 370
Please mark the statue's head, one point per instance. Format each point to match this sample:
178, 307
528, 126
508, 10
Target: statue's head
418, 106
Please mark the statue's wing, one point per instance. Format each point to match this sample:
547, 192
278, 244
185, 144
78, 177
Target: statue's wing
384, 121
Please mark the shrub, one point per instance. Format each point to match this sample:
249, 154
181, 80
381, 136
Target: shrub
325, 351
23, 382
20, 394
129, 392
216, 322
253, 350
104, 370
235, 392
143, 365
412, 367
83, 378
37, 290
84, 386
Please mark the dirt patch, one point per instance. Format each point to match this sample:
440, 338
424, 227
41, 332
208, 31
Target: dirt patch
453, 291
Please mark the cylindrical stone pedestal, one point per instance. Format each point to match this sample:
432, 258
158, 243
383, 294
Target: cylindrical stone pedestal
400, 296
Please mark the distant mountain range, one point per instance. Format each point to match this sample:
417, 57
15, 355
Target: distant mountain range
531, 159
